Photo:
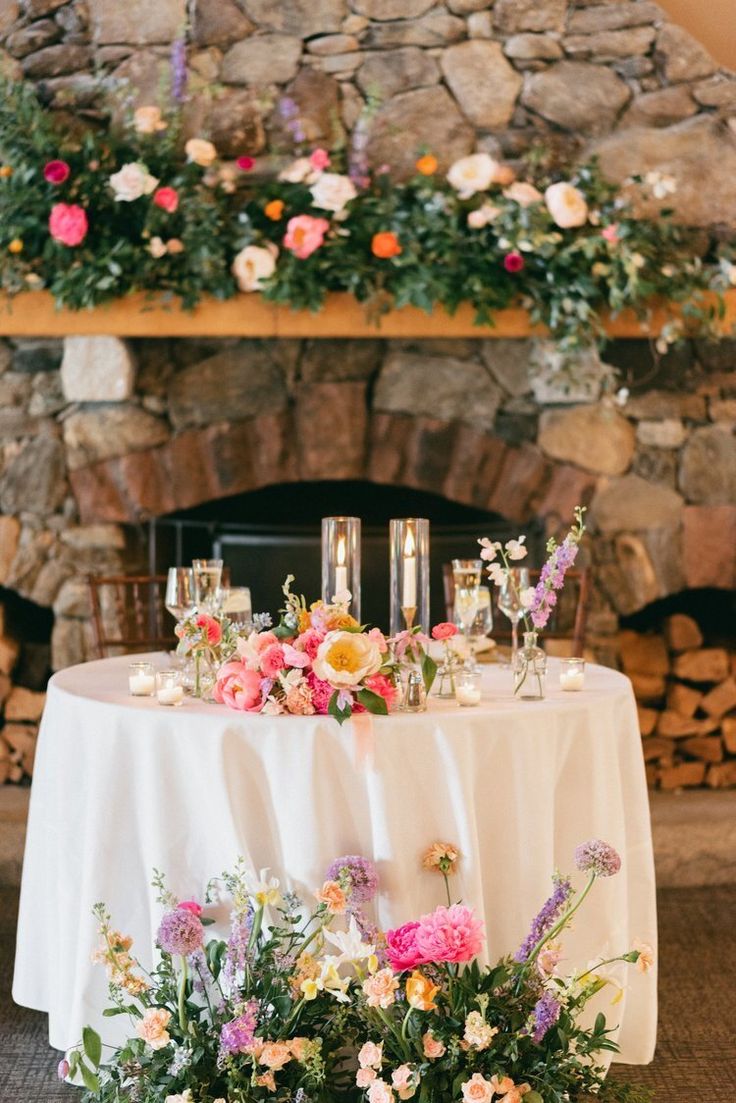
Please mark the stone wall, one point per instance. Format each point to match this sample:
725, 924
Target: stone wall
614, 78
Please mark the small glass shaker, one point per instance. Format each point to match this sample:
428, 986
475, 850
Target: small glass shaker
415, 695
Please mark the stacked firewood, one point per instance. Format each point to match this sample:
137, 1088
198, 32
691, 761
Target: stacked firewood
686, 696
20, 713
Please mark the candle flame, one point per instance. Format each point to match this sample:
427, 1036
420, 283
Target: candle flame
409, 545
341, 551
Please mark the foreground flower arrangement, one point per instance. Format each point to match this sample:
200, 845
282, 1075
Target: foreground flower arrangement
311, 1003
96, 216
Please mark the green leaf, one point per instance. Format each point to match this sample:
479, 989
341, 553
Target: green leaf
92, 1044
600, 1023
373, 702
341, 715
429, 670
91, 1081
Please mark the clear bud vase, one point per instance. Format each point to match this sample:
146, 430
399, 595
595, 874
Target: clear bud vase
530, 669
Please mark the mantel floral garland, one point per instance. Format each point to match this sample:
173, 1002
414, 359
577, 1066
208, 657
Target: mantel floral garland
313, 1004
95, 216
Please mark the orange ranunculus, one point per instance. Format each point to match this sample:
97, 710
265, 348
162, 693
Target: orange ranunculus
5, 172
385, 245
274, 209
427, 165
15, 246
420, 992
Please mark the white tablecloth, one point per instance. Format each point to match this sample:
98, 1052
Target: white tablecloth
123, 785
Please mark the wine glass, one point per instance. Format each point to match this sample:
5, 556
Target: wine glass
236, 605
179, 596
482, 625
207, 578
515, 580
466, 574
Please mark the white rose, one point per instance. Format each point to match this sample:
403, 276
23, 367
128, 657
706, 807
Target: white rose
332, 192
133, 181
253, 265
201, 152
472, 174
523, 194
482, 216
567, 205
148, 120
300, 171
345, 658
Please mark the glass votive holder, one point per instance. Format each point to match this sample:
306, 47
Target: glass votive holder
169, 689
467, 689
572, 674
141, 680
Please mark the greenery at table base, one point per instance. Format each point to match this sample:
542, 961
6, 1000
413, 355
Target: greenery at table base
313, 1004
94, 215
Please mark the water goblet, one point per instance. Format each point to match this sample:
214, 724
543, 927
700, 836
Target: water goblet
466, 574
481, 627
509, 601
207, 578
179, 596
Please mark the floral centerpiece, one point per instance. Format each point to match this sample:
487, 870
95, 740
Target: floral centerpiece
302, 1005
208, 640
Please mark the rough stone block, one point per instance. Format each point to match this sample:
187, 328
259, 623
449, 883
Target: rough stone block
341, 453
437, 387
683, 57
298, 17
97, 369
262, 59
137, 21
35, 479
592, 437
632, 504
429, 112
708, 466
610, 45
107, 431
555, 94
709, 546
669, 433
387, 74
482, 81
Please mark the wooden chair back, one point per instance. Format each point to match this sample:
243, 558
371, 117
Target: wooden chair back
568, 620
128, 614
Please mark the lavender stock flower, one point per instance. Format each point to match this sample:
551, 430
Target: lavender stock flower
237, 1035
545, 920
179, 75
551, 579
237, 947
597, 857
545, 1014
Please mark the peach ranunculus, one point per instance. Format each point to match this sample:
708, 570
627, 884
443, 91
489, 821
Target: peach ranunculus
370, 1055
152, 1027
420, 992
522, 193
441, 857
344, 659
267, 1080
333, 192
200, 152
132, 181
477, 1089
645, 960
380, 1092
275, 1055
427, 165
305, 234
211, 627
472, 174
380, 989
333, 895
253, 265
567, 205
364, 1077
445, 630
433, 1047
148, 120
238, 687
274, 209
68, 223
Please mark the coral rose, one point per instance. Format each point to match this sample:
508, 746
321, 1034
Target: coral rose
68, 223
567, 205
305, 234
167, 199
450, 934
211, 627
370, 1055
344, 659
444, 630
477, 1089
253, 265
275, 1055
380, 1092
432, 1047
402, 950
385, 245
238, 688
56, 172
152, 1027
364, 1077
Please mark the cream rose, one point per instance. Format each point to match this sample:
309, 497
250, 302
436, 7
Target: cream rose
380, 1092
132, 181
523, 194
148, 120
301, 171
332, 192
433, 1047
567, 205
477, 1089
370, 1055
152, 1027
253, 265
201, 152
473, 174
482, 216
345, 658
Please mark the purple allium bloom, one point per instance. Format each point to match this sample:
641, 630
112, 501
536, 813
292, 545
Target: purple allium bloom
546, 918
289, 112
546, 1013
597, 857
237, 1035
551, 578
179, 75
357, 875
180, 932
237, 946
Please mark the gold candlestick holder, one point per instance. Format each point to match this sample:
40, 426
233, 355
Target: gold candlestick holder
409, 612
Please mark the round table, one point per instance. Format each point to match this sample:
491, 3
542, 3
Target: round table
123, 785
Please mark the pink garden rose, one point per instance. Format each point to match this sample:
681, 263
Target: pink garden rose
319, 159
383, 686
449, 934
238, 688
167, 199
190, 906
68, 223
444, 631
309, 642
402, 949
272, 660
293, 657
263, 640
212, 628
379, 639
305, 234
56, 172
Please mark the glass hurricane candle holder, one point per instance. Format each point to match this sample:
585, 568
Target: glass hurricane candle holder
169, 689
409, 552
572, 674
341, 561
141, 680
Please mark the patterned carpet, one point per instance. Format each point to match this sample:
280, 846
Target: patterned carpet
696, 1057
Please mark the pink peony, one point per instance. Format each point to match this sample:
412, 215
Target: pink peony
68, 223
321, 693
56, 172
190, 906
383, 686
402, 949
309, 642
319, 159
238, 688
305, 234
167, 199
272, 660
293, 657
212, 628
263, 640
513, 262
449, 934
379, 639
444, 631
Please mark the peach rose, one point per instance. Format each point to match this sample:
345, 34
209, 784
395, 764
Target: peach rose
380, 989
472, 174
402, 1080
152, 1027
567, 205
433, 1047
371, 1055
364, 1077
201, 152
148, 120
380, 1092
523, 194
333, 895
477, 1089
275, 1055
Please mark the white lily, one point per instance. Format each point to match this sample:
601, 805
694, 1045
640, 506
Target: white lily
350, 943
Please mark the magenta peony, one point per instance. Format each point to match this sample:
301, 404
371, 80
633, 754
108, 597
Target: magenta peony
56, 172
190, 906
68, 223
449, 934
238, 688
513, 262
402, 949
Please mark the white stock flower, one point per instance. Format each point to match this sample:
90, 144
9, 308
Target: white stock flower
566, 204
472, 174
333, 192
522, 193
253, 265
132, 181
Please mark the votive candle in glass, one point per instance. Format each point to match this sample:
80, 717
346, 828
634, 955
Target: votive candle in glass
341, 561
572, 674
141, 680
467, 689
409, 560
169, 689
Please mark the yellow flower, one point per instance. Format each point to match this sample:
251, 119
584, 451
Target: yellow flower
420, 992
310, 989
16, 246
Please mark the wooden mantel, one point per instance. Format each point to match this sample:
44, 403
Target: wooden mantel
33, 314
